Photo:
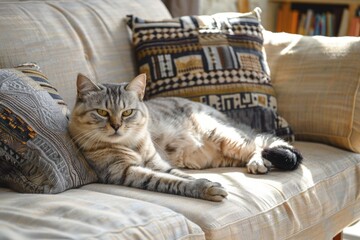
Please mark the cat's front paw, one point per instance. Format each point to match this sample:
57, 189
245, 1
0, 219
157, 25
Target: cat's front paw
258, 165
211, 191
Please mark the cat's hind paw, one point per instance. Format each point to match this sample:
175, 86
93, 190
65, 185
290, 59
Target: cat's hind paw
283, 157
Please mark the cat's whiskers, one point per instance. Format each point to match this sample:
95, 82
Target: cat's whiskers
87, 139
78, 138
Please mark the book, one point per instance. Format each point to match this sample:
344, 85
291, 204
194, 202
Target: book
337, 14
354, 29
329, 24
323, 24
309, 21
301, 25
343, 29
312, 25
286, 18
280, 20
294, 21
320, 24
317, 25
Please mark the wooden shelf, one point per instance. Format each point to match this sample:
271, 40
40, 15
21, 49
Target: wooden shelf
287, 6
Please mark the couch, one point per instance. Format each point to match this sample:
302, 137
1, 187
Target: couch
316, 80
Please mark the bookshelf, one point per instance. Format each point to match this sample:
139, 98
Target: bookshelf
318, 17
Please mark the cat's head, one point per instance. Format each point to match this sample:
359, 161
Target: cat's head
108, 112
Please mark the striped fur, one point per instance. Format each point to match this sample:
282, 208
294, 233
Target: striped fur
142, 144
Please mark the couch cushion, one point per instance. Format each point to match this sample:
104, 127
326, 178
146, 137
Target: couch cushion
317, 83
82, 214
217, 60
300, 204
70, 37
36, 151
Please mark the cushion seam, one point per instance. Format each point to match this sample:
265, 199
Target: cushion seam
352, 116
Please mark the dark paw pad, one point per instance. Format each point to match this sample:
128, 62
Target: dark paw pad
283, 157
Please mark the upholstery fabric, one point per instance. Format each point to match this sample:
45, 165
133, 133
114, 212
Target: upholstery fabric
70, 37
217, 60
36, 153
82, 214
317, 83
309, 203
89, 36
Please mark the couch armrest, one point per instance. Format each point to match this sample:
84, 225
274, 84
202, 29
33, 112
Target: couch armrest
316, 80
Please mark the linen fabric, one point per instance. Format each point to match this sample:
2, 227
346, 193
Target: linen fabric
83, 214
217, 60
272, 208
37, 154
280, 205
317, 83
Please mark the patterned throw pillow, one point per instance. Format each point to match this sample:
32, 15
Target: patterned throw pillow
36, 153
33, 71
217, 60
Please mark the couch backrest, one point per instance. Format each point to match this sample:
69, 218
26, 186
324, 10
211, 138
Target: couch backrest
73, 36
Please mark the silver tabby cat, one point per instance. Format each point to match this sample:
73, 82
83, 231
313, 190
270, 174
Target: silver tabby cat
143, 144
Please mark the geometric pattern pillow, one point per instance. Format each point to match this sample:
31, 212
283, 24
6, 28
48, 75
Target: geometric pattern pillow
218, 60
37, 154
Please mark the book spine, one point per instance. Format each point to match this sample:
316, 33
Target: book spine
343, 30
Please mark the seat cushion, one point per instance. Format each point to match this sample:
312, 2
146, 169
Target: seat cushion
83, 214
300, 204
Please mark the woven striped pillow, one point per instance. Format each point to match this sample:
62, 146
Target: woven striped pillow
217, 60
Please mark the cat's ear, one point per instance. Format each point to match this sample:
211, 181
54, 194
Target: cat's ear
138, 85
85, 85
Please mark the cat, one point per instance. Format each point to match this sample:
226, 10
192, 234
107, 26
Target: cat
144, 144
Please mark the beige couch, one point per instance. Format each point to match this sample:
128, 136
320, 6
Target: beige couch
316, 80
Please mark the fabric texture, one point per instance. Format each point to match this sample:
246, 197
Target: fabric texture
33, 71
82, 214
317, 83
70, 37
36, 153
313, 202
217, 60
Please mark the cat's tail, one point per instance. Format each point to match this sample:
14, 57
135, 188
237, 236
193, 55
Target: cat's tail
283, 157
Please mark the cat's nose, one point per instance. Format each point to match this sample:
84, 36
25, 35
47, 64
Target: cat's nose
115, 126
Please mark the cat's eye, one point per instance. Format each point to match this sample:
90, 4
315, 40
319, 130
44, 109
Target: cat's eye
127, 113
102, 112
